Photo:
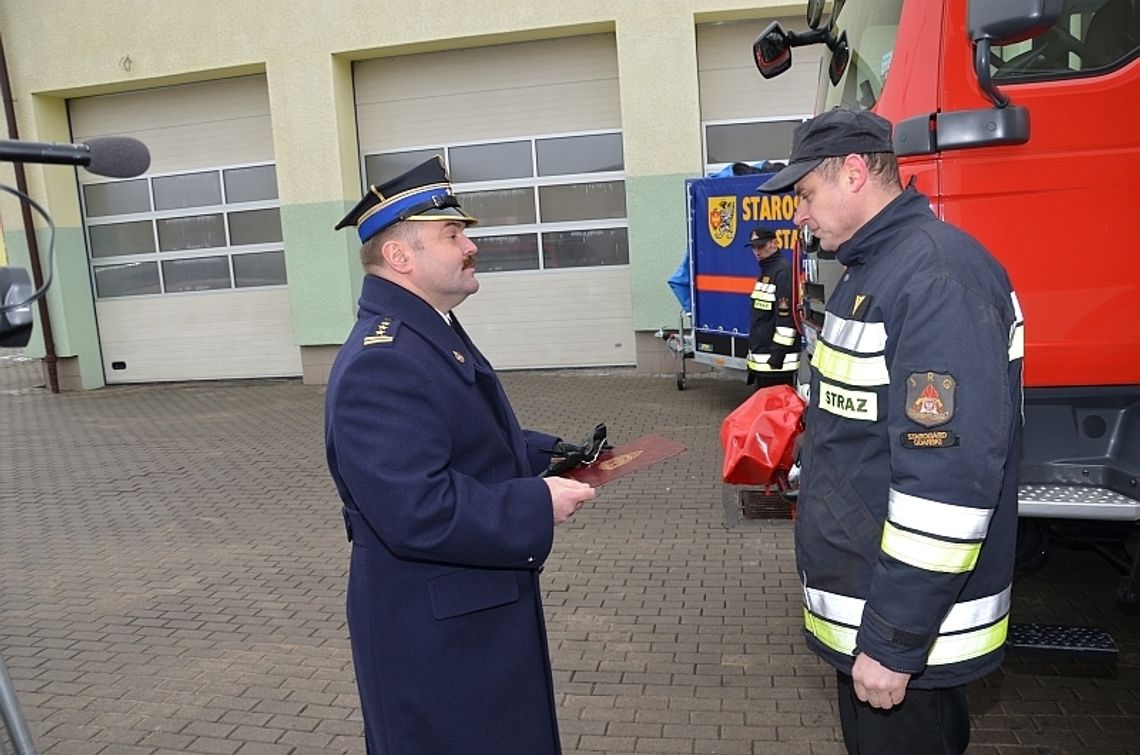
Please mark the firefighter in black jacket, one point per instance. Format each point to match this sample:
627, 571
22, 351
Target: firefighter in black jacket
773, 343
907, 512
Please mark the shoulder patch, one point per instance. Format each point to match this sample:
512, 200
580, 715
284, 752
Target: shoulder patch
385, 332
930, 397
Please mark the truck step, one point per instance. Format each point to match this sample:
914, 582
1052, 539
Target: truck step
1074, 642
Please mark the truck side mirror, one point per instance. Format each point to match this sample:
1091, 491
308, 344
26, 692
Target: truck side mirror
772, 52
1004, 22
814, 13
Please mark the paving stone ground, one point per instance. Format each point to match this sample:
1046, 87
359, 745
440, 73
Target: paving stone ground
172, 571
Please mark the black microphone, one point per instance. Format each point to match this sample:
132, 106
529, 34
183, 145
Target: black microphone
114, 156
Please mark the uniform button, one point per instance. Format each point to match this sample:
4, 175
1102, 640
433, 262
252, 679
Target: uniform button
530, 560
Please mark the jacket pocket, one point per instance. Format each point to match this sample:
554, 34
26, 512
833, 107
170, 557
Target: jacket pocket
861, 530
468, 591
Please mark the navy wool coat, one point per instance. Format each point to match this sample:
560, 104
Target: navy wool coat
449, 528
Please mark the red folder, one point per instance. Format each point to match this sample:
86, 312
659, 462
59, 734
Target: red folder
630, 457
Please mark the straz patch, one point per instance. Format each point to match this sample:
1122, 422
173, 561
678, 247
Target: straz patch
862, 405
929, 439
722, 219
930, 398
861, 306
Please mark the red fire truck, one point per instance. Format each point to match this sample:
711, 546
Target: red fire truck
1018, 118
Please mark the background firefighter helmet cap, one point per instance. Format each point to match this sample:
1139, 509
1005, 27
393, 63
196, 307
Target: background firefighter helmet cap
760, 236
832, 133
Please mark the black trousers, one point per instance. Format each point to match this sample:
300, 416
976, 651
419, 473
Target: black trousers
928, 722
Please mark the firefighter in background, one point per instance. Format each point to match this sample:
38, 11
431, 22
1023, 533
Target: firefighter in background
773, 343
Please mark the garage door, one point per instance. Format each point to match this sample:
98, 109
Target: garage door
187, 261
531, 133
745, 117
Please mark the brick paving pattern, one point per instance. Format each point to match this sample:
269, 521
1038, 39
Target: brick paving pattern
172, 571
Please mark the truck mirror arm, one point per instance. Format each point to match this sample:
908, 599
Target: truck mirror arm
985, 78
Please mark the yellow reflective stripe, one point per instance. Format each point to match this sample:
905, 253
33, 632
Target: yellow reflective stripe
953, 648
854, 335
836, 636
937, 518
966, 615
852, 370
927, 552
947, 648
759, 363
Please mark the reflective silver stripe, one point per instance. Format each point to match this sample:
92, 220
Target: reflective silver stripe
833, 606
1017, 342
861, 337
975, 613
943, 519
758, 304
785, 340
971, 629
966, 615
785, 331
932, 554
852, 370
1017, 330
759, 362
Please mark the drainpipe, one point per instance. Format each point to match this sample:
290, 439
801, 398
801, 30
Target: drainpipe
29, 227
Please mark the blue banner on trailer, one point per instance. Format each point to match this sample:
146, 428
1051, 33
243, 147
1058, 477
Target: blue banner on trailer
723, 211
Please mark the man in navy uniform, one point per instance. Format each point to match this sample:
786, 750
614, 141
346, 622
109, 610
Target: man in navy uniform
773, 343
449, 522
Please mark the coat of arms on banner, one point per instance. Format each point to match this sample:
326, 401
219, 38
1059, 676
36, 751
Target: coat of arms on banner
722, 219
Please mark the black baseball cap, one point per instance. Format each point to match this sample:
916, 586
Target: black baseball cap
832, 133
760, 236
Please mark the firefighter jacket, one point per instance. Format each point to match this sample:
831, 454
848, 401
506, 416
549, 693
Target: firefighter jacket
773, 343
907, 512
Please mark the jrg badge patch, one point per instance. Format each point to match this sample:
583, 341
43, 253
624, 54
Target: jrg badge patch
930, 397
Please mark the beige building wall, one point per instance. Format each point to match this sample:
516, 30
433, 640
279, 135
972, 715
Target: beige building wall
305, 50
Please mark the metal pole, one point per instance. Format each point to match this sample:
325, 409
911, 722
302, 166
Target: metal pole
12, 717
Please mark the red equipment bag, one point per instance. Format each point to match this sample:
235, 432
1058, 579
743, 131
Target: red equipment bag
759, 436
